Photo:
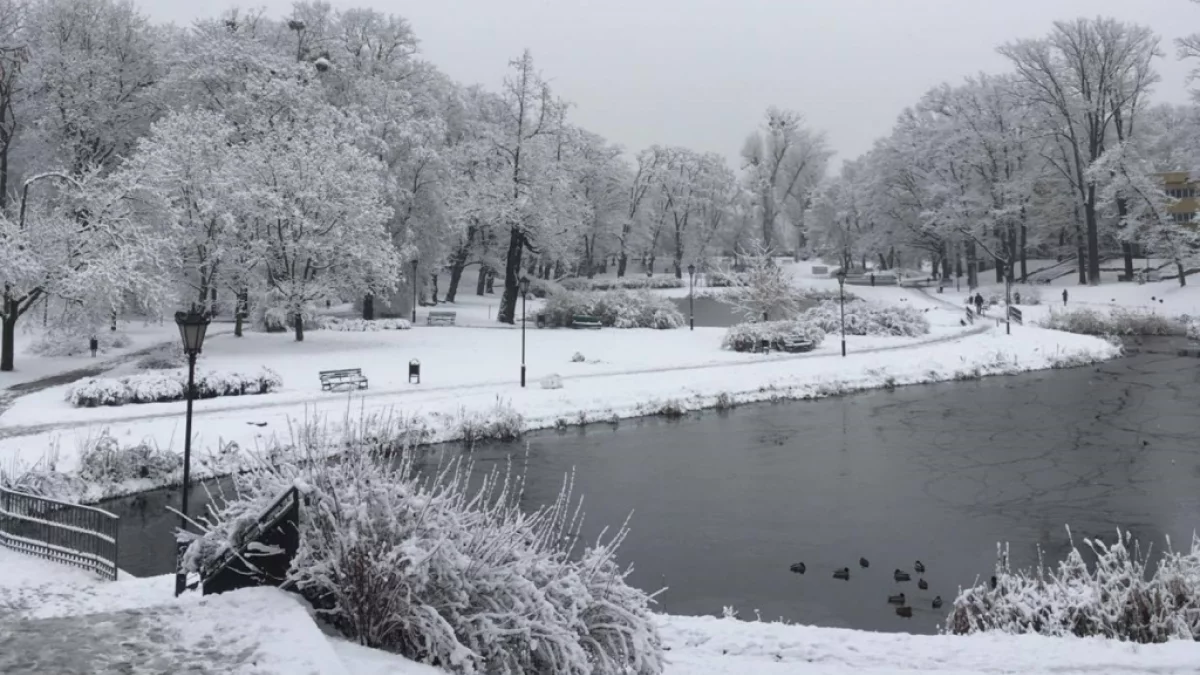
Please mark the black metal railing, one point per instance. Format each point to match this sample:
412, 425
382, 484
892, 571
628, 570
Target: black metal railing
276, 531
82, 536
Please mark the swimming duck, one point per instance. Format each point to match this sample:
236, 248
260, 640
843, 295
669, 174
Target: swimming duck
843, 574
798, 568
863, 562
896, 599
937, 602
922, 584
919, 567
901, 576
905, 612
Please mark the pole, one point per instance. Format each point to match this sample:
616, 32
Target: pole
1007, 303
842, 302
180, 577
691, 300
524, 295
414, 285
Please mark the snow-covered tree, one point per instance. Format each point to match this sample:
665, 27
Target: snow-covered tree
784, 162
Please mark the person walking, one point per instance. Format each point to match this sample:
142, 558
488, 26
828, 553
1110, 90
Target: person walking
979, 303
1064, 297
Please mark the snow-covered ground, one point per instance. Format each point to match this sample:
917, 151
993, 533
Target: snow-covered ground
30, 367
467, 369
72, 617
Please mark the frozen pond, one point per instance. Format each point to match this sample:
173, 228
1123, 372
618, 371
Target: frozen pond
724, 503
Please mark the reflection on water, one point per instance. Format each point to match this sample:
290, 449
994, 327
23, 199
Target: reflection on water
723, 504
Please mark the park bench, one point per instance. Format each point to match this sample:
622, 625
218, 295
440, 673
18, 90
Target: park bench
584, 321
440, 318
349, 377
796, 344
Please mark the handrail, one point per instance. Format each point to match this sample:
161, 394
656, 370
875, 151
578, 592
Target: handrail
72, 534
269, 518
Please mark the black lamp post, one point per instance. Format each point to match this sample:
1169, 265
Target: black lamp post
691, 296
841, 277
414, 285
524, 298
192, 326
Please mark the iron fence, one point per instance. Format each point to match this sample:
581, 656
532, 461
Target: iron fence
82, 536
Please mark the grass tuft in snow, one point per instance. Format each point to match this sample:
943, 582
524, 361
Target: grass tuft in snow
1114, 597
435, 566
1118, 321
501, 423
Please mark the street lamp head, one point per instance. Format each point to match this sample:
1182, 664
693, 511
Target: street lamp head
692, 270
524, 285
841, 277
192, 326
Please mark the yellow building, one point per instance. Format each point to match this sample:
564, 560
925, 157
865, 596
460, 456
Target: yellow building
1179, 185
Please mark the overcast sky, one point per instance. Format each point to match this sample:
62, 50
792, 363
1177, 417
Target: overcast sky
700, 73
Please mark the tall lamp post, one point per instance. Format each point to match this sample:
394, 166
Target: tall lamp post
841, 277
691, 296
524, 298
192, 326
414, 285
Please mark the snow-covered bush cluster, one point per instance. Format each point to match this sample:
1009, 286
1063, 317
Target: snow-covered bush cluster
164, 359
449, 572
1118, 321
623, 283
1193, 329
107, 462
364, 325
617, 309
501, 423
70, 343
274, 319
746, 337
807, 295
162, 386
1113, 598
865, 318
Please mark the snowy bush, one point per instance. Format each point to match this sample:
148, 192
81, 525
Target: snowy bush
807, 295
106, 462
501, 423
280, 320
1118, 321
552, 381
746, 337
617, 309
577, 357
544, 288
864, 318
1112, 598
1193, 330
449, 572
163, 386
622, 284
763, 288
364, 325
1030, 295
69, 343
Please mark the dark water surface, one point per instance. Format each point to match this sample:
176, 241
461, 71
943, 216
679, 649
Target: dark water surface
724, 503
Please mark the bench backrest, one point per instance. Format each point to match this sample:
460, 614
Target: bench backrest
442, 314
346, 371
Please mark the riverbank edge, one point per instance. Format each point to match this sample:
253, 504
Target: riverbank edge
209, 465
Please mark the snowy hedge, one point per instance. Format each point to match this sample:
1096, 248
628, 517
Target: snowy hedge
1118, 321
107, 462
1113, 598
617, 309
65, 343
448, 572
364, 325
162, 386
864, 318
745, 337
622, 284
1193, 330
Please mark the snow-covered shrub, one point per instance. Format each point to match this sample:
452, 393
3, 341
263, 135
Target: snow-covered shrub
501, 423
1112, 598
544, 288
762, 289
746, 337
163, 386
577, 357
552, 381
107, 462
624, 283
617, 309
865, 318
1030, 295
163, 359
364, 325
449, 572
274, 319
1193, 330
69, 343
807, 295
672, 409
1118, 321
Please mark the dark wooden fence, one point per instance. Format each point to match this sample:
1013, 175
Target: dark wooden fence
72, 534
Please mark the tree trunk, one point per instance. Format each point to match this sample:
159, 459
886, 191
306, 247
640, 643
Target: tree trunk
1127, 251
622, 263
1093, 238
1024, 254
299, 323
651, 267
481, 283
1178, 266
434, 289
7, 334
972, 266
456, 272
240, 312
368, 312
512, 267
1081, 257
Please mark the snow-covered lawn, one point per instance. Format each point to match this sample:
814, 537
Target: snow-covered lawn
31, 367
268, 631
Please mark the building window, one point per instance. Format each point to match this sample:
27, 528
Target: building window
1186, 217
1181, 193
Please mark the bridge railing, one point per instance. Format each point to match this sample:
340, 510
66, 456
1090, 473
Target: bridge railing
72, 534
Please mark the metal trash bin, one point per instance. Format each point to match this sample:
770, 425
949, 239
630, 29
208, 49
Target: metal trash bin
541, 320
414, 371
